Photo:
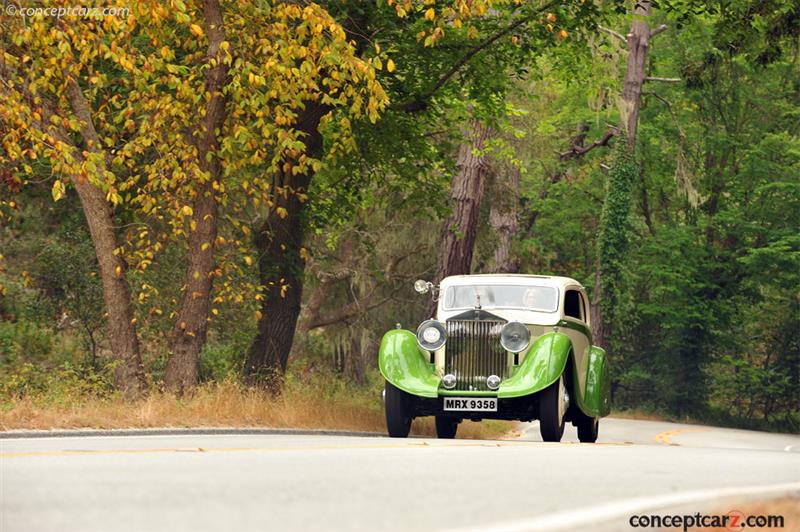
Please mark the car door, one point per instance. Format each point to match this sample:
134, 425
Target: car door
574, 323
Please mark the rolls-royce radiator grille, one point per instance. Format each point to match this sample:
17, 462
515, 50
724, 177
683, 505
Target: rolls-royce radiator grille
473, 352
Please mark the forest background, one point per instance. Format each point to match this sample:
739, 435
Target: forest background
217, 208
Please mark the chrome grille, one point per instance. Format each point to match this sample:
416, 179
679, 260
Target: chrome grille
473, 352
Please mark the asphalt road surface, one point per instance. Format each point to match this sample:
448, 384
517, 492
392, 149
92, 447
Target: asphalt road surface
316, 482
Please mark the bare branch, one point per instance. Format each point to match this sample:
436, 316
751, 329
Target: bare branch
656, 31
613, 34
578, 150
663, 80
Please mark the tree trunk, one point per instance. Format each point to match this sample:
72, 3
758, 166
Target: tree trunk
638, 45
354, 357
466, 193
615, 217
503, 219
280, 265
129, 373
189, 334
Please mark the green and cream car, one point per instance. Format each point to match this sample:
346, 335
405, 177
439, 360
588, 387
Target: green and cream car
515, 347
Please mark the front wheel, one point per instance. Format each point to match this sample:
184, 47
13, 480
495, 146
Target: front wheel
588, 427
398, 415
446, 427
553, 405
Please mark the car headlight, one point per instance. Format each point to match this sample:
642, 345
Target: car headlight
515, 337
431, 335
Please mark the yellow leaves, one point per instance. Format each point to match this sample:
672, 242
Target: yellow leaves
430, 14
215, 311
195, 29
164, 52
248, 260
118, 271
205, 246
58, 190
186, 210
563, 34
551, 17
281, 212
196, 275
259, 314
390, 66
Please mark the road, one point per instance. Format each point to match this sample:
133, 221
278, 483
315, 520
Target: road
245, 482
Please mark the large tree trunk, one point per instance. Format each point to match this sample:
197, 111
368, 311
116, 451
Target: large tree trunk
280, 265
615, 216
503, 218
466, 193
638, 45
129, 373
189, 334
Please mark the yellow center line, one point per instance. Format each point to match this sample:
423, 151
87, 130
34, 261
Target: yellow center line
666, 437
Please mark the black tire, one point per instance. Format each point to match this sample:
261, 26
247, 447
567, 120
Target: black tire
588, 428
446, 427
551, 423
398, 414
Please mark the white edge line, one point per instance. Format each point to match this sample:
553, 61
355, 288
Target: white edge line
599, 514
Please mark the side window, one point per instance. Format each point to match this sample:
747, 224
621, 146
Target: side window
572, 304
584, 309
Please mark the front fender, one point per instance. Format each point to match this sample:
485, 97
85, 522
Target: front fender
596, 401
543, 365
402, 364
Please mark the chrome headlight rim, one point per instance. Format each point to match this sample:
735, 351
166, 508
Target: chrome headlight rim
431, 345
508, 331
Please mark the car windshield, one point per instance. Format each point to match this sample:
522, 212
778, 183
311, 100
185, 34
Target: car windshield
541, 298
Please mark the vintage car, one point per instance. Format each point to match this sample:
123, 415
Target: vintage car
515, 347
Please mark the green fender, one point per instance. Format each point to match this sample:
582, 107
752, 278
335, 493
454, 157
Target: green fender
596, 400
402, 364
543, 365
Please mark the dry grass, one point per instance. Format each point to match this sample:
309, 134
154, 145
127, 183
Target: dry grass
225, 405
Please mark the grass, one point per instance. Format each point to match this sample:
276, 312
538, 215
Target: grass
315, 404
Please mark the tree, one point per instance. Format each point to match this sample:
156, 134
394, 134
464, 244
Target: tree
614, 226
46, 113
191, 327
459, 230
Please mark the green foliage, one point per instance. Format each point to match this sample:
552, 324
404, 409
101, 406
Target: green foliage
613, 240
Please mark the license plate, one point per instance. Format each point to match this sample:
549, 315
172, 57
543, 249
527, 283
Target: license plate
471, 404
